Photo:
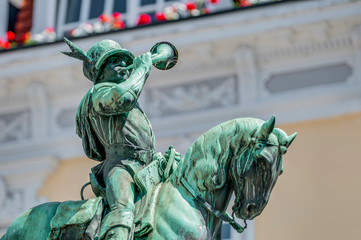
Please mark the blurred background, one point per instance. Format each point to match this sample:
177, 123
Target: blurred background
299, 60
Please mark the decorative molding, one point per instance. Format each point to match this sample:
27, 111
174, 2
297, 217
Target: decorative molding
12, 91
307, 48
66, 118
356, 38
190, 66
2, 192
69, 81
15, 126
38, 100
191, 97
247, 73
4, 88
307, 78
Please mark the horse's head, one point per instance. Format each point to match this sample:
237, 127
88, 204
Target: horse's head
244, 153
254, 171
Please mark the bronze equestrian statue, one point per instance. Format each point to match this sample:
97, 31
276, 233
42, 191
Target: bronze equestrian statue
145, 195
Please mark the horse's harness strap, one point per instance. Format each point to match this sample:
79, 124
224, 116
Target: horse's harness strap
223, 216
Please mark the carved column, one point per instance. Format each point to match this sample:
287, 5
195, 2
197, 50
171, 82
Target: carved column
4, 13
38, 102
247, 74
44, 13
132, 12
356, 37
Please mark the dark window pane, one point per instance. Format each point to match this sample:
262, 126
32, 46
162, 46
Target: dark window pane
73, 13
146, 2
13, 13
96, 8
120, 6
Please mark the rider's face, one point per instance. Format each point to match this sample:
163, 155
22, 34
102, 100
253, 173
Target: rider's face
114, 70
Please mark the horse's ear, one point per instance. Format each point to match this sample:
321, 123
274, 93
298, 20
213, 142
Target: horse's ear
267, 128
290, 139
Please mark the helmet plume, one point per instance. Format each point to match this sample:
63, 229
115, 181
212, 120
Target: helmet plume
76, 52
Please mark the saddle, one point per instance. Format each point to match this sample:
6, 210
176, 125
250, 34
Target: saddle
73, 218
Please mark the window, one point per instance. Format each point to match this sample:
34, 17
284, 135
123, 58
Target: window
96, 8
146, 2
73, 13
120, 6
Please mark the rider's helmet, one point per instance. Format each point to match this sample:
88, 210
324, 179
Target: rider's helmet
94, 59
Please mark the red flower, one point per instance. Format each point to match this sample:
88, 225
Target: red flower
104, 18
213, 1
50, 29
244, 3
6, 45
191, 6
206, 11
10, 36
144, 19
117, 15
118, 24
159, 16
25, 37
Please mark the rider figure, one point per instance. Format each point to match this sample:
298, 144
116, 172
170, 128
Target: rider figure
113, 128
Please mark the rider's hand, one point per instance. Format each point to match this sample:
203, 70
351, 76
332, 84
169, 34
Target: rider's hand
143, 60
177, 155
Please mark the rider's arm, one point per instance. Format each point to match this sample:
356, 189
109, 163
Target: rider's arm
112, 98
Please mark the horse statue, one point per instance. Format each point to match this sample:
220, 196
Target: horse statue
242, 156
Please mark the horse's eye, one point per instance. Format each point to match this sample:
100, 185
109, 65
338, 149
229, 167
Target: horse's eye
259, 145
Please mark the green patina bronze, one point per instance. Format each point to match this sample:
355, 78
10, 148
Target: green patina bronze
142, 194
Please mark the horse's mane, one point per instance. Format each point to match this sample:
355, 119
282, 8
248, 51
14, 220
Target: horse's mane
209, 156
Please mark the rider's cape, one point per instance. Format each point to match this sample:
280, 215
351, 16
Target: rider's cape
91, 145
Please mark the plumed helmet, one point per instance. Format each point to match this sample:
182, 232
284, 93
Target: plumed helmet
94, 59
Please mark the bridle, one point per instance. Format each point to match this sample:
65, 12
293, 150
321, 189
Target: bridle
224, 216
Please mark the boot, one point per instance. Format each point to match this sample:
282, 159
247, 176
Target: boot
117, 225
117, 233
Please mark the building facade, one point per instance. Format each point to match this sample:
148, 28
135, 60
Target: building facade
300, 60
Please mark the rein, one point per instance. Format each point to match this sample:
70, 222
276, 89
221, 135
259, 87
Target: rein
224, 216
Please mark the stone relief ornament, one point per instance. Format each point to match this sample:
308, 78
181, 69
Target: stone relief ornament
192, 97
140, 193
14, 126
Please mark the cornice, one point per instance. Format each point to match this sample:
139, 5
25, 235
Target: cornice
306, 48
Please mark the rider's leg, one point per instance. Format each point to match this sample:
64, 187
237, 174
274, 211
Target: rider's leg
120, 191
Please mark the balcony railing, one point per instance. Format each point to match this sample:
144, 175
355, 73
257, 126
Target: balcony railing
66, 15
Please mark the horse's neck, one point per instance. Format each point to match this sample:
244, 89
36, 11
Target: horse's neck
221, 200
218, 199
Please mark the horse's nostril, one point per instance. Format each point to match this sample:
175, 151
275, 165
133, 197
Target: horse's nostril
251, 207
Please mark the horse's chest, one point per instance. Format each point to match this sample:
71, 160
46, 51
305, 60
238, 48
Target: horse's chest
177, 219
